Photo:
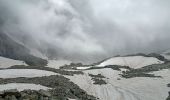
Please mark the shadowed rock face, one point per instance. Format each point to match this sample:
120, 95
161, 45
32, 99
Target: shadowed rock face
11, 49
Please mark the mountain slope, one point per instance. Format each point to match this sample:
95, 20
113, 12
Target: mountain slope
11, 49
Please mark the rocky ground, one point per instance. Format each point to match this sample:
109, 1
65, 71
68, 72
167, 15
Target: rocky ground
25, 95
62, 88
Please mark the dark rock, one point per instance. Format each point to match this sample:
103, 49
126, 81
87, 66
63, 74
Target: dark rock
168, 98
168, 85
62, 88
1, 93
97, 76
12, 92
98, 79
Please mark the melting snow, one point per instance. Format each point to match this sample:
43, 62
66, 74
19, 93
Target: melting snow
14, 73
124, 89
22, 86
6, 62
131, 61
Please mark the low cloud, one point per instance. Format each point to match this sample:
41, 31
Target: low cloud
87, 30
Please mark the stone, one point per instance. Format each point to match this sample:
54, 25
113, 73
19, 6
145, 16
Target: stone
13, 97
1, 93
12, 92
44, 93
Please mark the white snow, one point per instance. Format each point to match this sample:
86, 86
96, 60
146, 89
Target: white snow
71, 99
6, 62
57, 63
14, 73
124, 89
82, 68
131, 61
22, 86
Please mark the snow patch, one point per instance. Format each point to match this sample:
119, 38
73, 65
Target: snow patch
82, 68
131, 61
22, 86
14, 73
6, 62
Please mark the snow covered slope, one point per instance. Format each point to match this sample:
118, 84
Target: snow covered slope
14, 73
57, 63
22, 86
131, 61
6, 62
118, 88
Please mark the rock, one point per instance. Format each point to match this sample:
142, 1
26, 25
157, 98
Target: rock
13, 97
46, 98
7, 97
44, 93
12, 92
1, 98
1, 93
168, 96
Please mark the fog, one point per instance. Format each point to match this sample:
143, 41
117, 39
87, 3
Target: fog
87, 30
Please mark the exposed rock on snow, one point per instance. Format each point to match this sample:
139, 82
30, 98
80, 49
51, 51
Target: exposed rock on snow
22, 86
98, 79
131, 61
62, 87
14, 94
6, 62
124, 89
14, 73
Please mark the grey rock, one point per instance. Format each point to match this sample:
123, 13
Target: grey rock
13, 97
44, 93
12, 92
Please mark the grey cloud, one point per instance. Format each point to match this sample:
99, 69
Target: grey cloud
88, 30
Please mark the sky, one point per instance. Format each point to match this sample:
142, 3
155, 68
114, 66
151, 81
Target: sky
87, 30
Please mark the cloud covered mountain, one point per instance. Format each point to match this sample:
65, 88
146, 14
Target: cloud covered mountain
87, 29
